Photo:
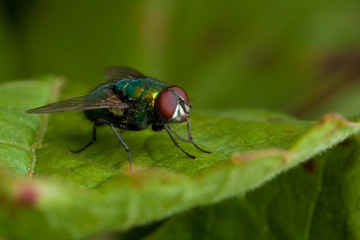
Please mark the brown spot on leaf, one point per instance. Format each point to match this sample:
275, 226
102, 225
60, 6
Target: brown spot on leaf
335, 116
244, 157
27, 194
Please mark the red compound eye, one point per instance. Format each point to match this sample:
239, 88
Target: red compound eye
179, 91
167, 101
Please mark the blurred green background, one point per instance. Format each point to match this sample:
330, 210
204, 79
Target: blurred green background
301, 56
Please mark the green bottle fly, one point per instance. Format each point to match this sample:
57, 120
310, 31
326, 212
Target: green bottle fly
130, 101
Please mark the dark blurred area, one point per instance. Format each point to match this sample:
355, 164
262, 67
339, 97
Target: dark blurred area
301, 57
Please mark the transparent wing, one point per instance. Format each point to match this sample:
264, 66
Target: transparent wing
103, 100
116, 73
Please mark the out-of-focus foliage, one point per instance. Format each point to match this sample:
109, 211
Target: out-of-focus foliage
298, 56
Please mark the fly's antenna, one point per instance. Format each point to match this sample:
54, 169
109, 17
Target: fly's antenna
186, 103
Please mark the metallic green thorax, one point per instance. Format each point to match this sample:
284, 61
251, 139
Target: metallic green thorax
139, 94
141, 91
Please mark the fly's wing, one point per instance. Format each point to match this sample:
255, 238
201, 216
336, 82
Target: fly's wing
116, 73
106, 99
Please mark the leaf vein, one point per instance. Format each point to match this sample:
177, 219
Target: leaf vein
15, 144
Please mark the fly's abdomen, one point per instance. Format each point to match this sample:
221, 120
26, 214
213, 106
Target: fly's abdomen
95, 114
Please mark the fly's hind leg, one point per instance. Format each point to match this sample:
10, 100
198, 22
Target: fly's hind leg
91, 142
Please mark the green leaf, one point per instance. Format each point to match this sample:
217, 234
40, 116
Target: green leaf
49, 192
319, 200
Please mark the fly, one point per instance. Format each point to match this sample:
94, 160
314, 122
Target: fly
130, 101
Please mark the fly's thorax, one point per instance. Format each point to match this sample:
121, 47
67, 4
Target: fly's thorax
141, 92
122, 84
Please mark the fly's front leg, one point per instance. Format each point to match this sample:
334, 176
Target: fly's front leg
91, 142
176, 143
192, 141
177, 135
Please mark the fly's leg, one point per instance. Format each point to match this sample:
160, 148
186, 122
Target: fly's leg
176, 143
177, 135
91, 142
122, 126
192, 141
123, 143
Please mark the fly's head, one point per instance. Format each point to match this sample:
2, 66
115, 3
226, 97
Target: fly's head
172, 104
